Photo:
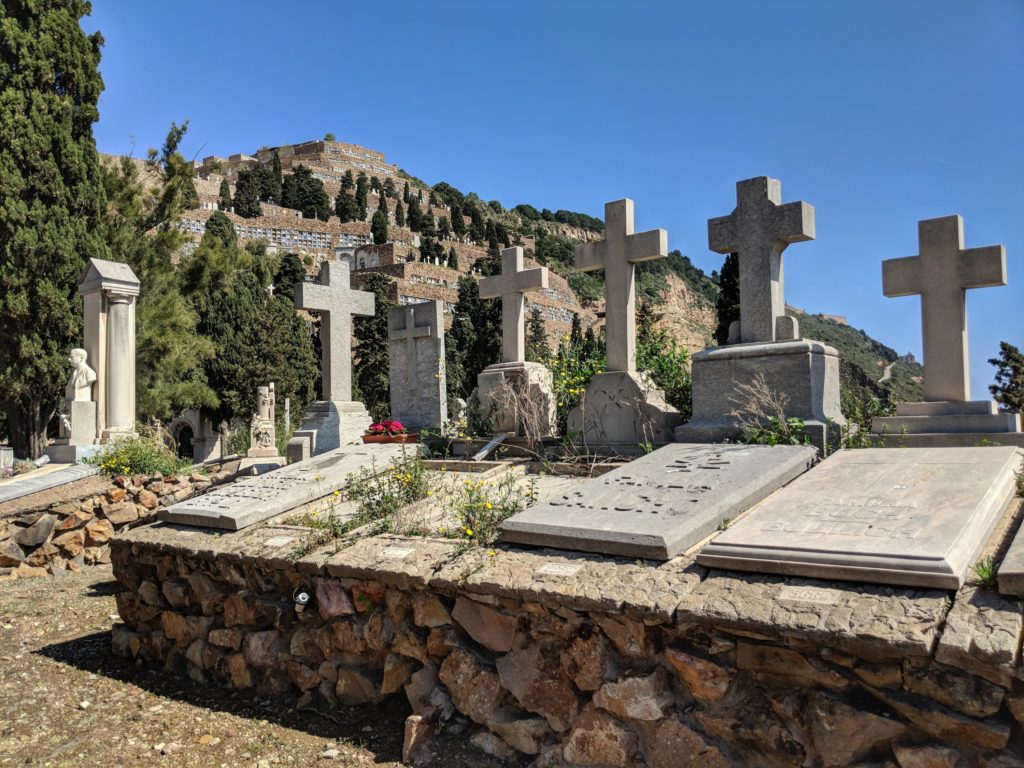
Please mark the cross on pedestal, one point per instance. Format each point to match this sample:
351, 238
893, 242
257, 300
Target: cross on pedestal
617, 255
941, 274
336, 302
759, 229
410, 332
510, 286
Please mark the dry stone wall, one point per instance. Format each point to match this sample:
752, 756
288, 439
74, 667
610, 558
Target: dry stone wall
584, 661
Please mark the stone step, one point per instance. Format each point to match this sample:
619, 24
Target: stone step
970, 423
948, 439
948, 408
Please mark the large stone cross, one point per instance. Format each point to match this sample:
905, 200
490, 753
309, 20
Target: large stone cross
759, 229
409, 331
336, 301
617, 255
941, 274
510, 286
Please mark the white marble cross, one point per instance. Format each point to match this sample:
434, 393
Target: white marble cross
408, 331
759, 229
941, 274
510, 286
617, 255
336, 302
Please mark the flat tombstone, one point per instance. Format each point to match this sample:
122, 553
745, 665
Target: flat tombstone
941, 274
416, 363
914, 517
1011, 570
662, 504
252, 500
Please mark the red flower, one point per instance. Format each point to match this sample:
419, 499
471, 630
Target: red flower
376, 429
394, 427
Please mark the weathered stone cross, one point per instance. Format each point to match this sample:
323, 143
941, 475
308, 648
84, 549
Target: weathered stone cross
336, 302
941, 274
510, 286
410, 332
759, 229
618, 254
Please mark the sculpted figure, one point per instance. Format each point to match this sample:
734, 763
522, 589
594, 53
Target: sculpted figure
79, 387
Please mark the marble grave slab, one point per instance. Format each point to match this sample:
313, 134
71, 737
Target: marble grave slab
253, 499
915, 517
1011, 569
661, 504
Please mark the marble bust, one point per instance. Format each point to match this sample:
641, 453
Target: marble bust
82, 378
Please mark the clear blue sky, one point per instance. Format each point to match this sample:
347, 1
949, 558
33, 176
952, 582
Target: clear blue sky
877, 112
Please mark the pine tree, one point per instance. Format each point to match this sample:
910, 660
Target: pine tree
1008, 389
362, 204
224, 201
399, 214
220, 226
370, 356
289, 273
728, 304
51, 205
247, 195
276, 180
303, 192
537, 350
141, 229
379, 227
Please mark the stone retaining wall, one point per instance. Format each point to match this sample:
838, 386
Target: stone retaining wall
582, 660
59, 536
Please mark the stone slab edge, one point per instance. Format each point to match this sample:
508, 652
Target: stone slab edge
30, 485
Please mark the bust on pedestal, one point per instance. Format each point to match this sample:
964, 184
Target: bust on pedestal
262, 455
78, 415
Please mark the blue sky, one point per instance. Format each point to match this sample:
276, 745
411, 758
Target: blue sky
877, 112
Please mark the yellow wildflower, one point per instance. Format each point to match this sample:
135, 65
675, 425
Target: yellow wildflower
469, 531
488, 505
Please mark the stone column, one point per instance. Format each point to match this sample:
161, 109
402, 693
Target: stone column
120, 408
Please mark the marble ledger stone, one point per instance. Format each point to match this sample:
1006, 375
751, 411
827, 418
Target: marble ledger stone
252, 500
916, 517
1011, 570
661, 504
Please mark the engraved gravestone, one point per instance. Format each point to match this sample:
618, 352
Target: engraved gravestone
661, 504
253, 499
915, 517
418, 382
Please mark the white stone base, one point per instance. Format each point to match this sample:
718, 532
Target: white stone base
328, 425
65, 453
518, 398
951, 423
622, 412
805, 371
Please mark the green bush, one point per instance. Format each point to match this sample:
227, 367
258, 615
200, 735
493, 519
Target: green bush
143, 454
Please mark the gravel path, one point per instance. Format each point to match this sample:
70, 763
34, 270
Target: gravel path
65, 700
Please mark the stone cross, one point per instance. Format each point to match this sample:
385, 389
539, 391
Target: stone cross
510, 286
759, 229
336, 302
617, 255
941, 274
408, 332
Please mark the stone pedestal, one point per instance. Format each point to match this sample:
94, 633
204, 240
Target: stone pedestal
80, 442
622, 411
806, 372
6, 457
951, 423
326, 426
518, 397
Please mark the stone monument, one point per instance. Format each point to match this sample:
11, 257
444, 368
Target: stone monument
416, 362
622, 409
941, 275
516, 395
103, 408
336, 419
764, 340
914, 517
262, 455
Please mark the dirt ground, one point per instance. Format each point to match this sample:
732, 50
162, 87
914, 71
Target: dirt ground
65, 700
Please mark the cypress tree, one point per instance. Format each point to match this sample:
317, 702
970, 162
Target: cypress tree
405, 193
303, 192
276, 180
415, 215
224, 201
458, 223
362, 204
444, 229
537, 350
289, 272
379, 227
399, 214
344, 203
51, 205
382, 204
389, 188
220, 226
728, 303
475, 338
427, 227
453, 259
247, 195
370, 356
